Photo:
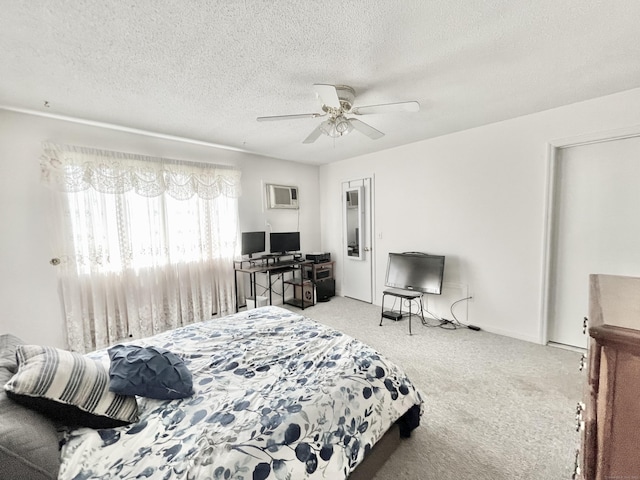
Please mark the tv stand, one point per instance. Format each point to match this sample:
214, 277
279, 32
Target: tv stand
402, 295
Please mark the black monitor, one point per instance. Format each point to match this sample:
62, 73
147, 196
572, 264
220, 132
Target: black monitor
253, 242
415, 271
285, 242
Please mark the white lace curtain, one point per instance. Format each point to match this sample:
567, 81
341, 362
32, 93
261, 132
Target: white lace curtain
141, 244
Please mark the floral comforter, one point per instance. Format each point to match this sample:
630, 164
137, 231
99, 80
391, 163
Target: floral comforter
277, 396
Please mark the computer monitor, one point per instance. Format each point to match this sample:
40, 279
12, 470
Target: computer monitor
253, 242
415, 271
284, 242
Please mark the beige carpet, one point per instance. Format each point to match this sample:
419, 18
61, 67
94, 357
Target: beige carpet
496, 408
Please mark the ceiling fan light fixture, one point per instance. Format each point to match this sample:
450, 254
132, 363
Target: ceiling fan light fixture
337, 101
343, 126
336, 126
328, 127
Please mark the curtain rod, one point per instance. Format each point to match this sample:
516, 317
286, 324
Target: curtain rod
112, 126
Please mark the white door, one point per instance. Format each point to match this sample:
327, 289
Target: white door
357, 264
596, 228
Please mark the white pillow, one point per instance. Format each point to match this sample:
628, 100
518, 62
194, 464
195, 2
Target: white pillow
68, 387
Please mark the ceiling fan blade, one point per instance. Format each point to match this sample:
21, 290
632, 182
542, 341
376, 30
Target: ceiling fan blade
368, 130
328, 95
290, 117
386, 108
313, 136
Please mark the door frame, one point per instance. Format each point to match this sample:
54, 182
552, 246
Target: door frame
370, 217
552, 160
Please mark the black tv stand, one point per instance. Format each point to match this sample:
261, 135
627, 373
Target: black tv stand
403, 295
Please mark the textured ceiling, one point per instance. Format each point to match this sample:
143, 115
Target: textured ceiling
206, 69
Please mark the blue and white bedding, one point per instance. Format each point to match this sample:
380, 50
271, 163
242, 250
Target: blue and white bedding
277, 396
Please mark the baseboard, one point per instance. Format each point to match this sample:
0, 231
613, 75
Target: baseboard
567, 347
508, 333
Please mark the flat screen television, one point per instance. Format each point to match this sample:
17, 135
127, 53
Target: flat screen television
415, 271
284, 242
253, 242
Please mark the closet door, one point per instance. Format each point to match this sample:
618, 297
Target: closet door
596, 228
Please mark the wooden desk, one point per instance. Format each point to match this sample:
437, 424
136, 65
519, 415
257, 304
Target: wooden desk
266, 265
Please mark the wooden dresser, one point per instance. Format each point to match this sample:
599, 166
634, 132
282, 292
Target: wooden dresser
609, 416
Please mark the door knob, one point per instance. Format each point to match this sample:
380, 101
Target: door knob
367, 249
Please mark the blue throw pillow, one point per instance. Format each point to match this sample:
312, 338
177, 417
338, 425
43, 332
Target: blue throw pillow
148, 372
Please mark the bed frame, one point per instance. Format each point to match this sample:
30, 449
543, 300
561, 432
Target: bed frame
378, 455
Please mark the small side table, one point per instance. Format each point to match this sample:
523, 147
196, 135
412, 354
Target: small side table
402, 295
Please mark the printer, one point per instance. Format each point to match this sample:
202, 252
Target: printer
319, 257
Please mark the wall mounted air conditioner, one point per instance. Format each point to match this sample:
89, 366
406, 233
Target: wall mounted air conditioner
282, 196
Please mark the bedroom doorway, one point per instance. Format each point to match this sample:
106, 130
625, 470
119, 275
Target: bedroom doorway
595, 228
357, 254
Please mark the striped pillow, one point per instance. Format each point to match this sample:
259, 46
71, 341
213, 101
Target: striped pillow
68, 387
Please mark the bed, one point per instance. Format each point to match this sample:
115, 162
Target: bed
275, 396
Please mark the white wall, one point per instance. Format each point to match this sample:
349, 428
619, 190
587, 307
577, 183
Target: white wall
478, 197
28, 286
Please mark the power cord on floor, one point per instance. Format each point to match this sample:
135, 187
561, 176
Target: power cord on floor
442, 322
458, 323
433, 316
450, 324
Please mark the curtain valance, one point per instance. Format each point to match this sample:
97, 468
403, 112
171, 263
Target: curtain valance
73, 169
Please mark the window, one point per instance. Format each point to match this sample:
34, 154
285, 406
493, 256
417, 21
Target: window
145, 244
115, 232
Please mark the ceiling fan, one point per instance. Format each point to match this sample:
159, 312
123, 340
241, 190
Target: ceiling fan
337, 103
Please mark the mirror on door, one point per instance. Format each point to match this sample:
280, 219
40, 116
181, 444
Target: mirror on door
353, 215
